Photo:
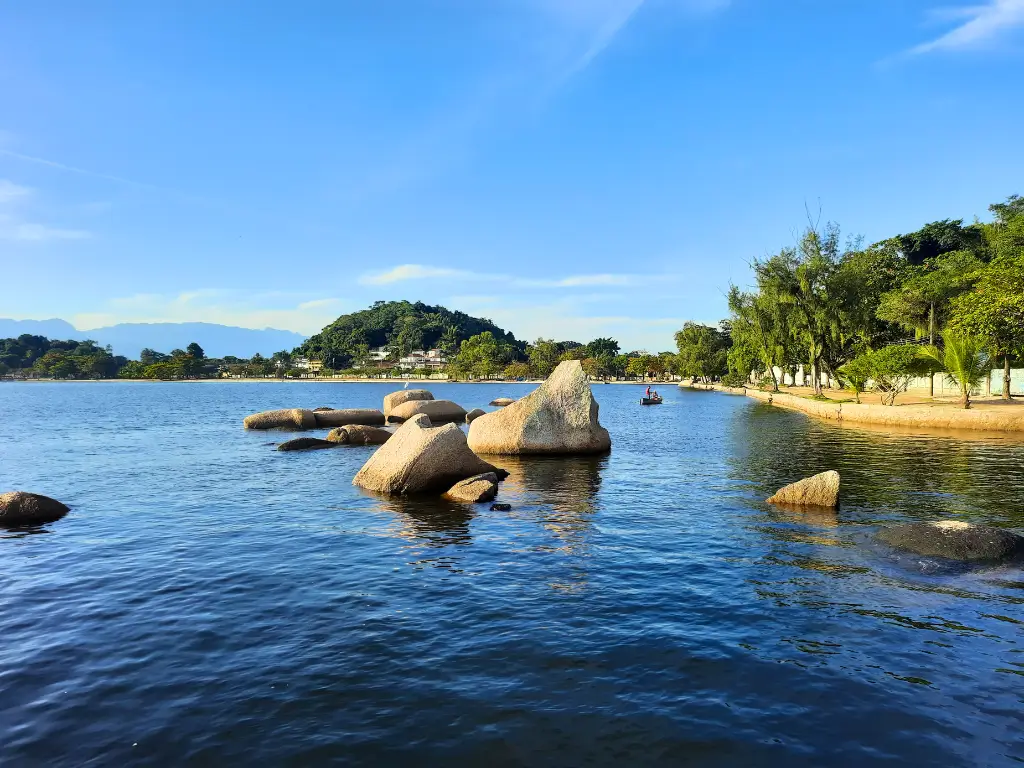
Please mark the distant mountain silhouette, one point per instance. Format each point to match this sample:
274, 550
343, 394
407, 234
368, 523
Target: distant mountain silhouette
129, 339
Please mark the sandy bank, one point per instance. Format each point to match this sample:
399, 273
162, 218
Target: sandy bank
988, 416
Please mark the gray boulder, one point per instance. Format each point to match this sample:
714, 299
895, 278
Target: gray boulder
342, 417
559, 417
305, 444
21, 508
395, 399
821, 490
474, 414
420, 458
955, 540
438, 411
288, 418
357, 434
475, 489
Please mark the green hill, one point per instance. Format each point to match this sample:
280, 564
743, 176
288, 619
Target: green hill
401, 325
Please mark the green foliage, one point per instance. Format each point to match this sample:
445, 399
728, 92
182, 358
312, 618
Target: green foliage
964, 359
517, 370
856, 374
482, 356
735, 379
400, 325
891, 369
703, 352
37, 355
940, 237
603, 348
544, 355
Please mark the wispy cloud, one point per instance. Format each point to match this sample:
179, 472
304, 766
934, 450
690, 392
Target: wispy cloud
981, 25
15, 226
73, 169
412, 272
9, 191
404, 272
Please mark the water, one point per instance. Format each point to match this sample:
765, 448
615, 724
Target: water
212, 601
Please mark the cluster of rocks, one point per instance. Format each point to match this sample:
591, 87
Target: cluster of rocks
950, 539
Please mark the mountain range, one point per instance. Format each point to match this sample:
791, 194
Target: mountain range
129, 339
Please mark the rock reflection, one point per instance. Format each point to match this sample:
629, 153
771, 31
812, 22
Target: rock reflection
429, 521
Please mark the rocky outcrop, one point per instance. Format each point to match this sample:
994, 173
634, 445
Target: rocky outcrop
559, 417
474, 414
502, 401
305, 444
395, 399
344, 416
356, 434
955, 540
821, 490
322, 408
475, 489
289, 418
420, 458
21, 508
438, 411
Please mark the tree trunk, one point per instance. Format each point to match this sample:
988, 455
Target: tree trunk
816, 376
965, 397
1006, 377
931, 342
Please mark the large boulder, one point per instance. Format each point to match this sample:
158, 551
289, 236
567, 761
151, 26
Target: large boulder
955, 540
821, 490
21, 508
357, 434
289, 418
475, 489
342, 417
502, 401
560, 416
395, 399
420, 458
438, 411
475, 414
305, 444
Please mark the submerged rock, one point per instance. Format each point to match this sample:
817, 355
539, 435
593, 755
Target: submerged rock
419, 458
474, 414
502, 401
438, 411
21, 508
501, 507
560, 417
821, 490
475, 489
395, 399
305, 444
955, 540
357, 434
344, 416
288, 418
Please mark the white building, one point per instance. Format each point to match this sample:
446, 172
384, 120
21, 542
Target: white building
431, 359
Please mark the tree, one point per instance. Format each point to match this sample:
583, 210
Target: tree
133, 369
149, 356
964, 360
703, 352
603, 347
517, 370
892, 369
856, 374
940, 237
195, 351
544, 355
482, 355
759, 333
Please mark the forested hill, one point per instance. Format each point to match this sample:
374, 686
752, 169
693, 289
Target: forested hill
402, 325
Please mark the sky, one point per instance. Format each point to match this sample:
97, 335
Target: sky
567, 168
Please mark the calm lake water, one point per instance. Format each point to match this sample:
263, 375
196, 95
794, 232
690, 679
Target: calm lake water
212, 601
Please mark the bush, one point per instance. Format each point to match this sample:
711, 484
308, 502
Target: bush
891, 369
734, 379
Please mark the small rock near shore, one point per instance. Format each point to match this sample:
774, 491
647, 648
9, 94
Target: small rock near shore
343, 417
954, 540
483, 487
305, 444
322, 408
288, 418
502, 401
358, 434
475, 413
821, 490
501, 507
21, 508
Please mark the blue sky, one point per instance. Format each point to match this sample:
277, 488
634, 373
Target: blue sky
568, 168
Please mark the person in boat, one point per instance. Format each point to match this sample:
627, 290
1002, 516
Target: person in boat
648, 391
655, 394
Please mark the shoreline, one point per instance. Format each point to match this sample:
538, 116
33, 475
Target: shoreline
312, 381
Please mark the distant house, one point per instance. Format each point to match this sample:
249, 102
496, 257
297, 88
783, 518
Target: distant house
431, 359
307, 365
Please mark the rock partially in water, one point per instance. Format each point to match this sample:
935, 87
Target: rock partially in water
559, 417
474, 414
288, 418
395, 399
501, 507
420, 458
344, 416
438, 411
502, 401
322, 408
356, 434
21, 508
821, 490
475, 489
305, 444
954, 540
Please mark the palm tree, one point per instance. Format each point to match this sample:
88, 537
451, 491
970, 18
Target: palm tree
964, 359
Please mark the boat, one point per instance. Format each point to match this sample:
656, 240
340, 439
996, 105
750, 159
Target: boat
651, 400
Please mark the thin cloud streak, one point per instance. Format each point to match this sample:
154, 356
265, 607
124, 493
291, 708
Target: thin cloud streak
985, 23
407, 272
